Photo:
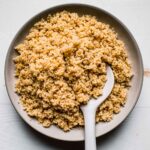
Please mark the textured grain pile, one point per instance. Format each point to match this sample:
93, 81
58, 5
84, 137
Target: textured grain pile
62, 64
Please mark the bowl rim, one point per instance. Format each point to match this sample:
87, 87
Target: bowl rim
67, 5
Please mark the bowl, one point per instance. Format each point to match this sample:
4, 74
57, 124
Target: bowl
77, 134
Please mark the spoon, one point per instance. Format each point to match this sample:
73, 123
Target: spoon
89, 112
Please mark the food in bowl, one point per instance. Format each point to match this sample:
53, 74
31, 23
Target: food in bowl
61, 65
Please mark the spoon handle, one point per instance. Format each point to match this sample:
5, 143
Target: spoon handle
90, 138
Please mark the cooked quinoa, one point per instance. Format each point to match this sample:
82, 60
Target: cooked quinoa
62, 64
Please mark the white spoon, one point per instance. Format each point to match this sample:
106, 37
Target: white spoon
89, 112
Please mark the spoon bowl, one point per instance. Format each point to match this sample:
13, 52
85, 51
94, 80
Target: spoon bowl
89, 111
77, 134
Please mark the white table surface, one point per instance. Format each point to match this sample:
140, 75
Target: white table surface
133, 134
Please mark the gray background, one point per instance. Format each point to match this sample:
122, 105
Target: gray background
133, 134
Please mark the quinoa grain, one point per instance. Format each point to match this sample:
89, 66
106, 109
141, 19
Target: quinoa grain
62, 64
